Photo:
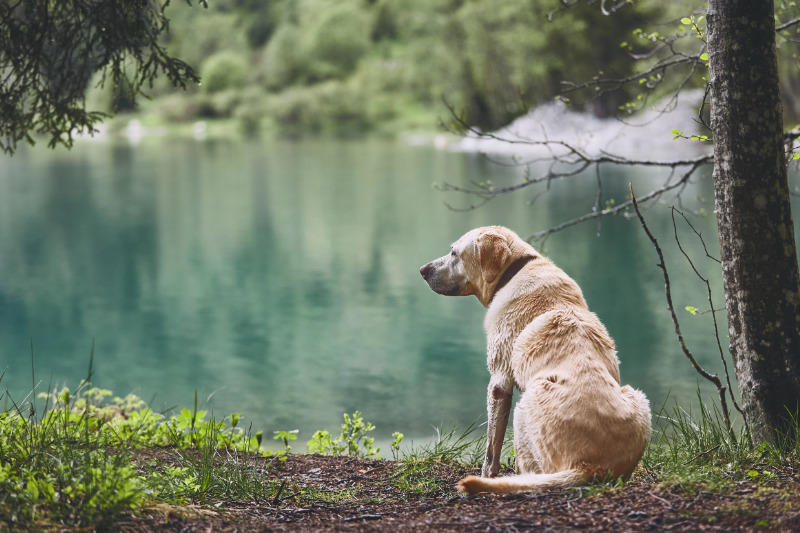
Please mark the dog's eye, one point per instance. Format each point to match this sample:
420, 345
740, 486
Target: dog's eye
453, 253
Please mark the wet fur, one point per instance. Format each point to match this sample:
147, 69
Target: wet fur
573, 422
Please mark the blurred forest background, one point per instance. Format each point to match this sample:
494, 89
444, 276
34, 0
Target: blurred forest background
348, 67
212, 261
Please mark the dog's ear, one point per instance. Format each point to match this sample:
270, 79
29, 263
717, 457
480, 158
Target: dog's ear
493, 251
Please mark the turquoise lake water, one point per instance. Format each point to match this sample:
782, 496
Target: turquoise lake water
280, 279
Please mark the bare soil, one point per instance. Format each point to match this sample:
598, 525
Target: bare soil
322, 493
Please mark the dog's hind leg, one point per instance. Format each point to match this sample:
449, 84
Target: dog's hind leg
525, 457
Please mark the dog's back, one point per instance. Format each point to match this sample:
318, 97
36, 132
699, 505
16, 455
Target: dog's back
573, 422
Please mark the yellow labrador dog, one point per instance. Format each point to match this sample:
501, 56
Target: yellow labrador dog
573, 422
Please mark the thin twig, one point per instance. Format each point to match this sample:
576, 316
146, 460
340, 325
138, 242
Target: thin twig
713, 316
277, 498
599, 198
701, 454
713, 378
617, 83
567, 161
787, 25
662, 500
616, 209
699, 236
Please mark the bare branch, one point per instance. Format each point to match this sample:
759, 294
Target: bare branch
616, 83
607, 11
713, 378
565, 4
787, 25
598, 198
569, 153
699, 236
714, 318
616, 209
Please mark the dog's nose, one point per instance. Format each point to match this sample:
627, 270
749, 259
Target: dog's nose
425, 270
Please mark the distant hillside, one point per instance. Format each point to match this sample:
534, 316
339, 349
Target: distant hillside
351, 66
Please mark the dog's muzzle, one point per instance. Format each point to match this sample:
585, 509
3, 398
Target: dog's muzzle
433, 278
426, 271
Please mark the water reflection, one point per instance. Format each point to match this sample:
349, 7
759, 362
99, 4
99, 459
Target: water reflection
283, 278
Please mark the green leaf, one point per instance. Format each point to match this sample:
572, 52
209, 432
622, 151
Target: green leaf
704, 56
686, 20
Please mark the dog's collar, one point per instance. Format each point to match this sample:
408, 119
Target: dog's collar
510, 272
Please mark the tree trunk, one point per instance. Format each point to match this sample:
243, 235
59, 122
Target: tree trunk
759, 260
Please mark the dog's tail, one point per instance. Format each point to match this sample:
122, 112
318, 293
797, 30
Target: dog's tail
524, 482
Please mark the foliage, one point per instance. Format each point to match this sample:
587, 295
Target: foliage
498, 47
324, 41
75, 464
40, 473
195, 36
283, 64
345, 67
91, 458
353, 439
695, 450
330, 107
223, 70
52, 50
491, 60
337, 37
395, 444
259, 18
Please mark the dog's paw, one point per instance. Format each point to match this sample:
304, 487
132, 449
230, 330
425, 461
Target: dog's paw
490, 470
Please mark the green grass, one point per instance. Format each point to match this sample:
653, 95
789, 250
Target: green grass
78, 459
695, 451
87, 459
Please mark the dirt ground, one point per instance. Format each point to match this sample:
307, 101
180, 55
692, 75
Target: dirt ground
349, 494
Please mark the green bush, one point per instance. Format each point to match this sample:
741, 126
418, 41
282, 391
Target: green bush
198, 35
327, 42
353, 439
491, 60
55, 467
250, 110
330, 107
282, 62
384, 23
223, 70
336, 42
515, 58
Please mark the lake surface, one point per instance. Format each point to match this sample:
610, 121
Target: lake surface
280, 279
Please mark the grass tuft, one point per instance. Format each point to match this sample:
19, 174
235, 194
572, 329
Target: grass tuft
78, 460
88, 460
695, 451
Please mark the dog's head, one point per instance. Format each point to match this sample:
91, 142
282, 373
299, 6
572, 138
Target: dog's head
476, 262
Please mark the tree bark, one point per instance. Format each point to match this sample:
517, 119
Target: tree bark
759, 260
